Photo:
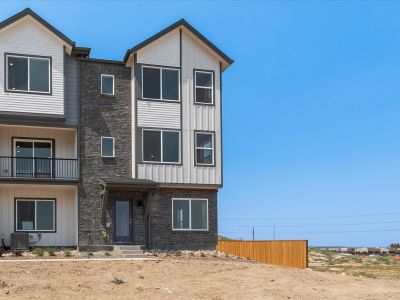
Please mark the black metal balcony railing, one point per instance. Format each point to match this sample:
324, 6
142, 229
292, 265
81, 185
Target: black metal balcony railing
37, 167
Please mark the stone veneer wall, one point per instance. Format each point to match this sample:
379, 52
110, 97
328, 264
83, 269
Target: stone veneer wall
161, 234
101, 115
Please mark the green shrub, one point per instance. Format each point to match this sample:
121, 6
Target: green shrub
107, 254
67, 252
38, 251
51, 251
117, 281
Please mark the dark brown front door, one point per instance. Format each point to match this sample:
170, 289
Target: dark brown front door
123, 221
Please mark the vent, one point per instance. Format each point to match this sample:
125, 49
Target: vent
19, 241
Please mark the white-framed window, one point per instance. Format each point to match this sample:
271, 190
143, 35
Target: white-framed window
107, 146
204, 87
35, 215
160, 83
161, 146
204, 148
33, 158
189, 214
107, 84
28, 74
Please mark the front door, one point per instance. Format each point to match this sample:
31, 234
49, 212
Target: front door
123, 222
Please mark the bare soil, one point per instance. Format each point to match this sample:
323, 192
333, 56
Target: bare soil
182, 278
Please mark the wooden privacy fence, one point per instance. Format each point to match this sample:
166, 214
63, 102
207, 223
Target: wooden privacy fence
284, 253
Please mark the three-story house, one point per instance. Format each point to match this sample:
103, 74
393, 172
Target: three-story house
132, 148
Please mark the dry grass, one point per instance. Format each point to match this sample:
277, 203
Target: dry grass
361, 266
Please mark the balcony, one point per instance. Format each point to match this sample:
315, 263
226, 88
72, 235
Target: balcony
38, 168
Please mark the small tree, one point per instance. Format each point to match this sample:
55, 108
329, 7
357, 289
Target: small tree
394, 247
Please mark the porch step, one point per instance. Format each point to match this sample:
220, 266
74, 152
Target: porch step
130, 247
127, 252
135, 256
131, 251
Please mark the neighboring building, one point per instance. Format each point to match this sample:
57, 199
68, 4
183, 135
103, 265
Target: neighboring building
130, 147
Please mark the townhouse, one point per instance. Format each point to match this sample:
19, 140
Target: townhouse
100, 152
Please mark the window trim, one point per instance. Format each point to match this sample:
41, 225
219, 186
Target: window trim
7, 90
190, 214
202, 148
161, 144
33, 141
161, 96
101, 84
36, 199
101, 146
212, 88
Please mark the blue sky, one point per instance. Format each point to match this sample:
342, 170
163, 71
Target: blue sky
311, 107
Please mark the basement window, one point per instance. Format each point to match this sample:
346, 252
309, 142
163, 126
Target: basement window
29, 74
35, 215
189, 214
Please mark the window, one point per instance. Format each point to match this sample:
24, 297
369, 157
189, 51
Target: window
33, 158
160, 146
107, 84
107, 147
28, 74
204, 87
35, 215
204, 142
160, 83
189, 214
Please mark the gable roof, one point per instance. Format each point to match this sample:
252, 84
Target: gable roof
181, 22
31, 13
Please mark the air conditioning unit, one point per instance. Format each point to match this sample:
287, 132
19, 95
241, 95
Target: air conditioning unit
19, 241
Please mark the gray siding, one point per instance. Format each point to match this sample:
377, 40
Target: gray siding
71, 90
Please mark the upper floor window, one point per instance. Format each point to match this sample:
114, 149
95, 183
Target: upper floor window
28, 74
107, 147
160, 83
107, 84
161, 146
204, 87
204, 142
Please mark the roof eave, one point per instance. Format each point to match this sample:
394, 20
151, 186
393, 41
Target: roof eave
184, 23
28, 12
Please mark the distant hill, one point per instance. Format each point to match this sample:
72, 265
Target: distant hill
223, 238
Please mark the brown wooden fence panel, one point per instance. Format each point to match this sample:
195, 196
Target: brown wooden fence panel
291, 253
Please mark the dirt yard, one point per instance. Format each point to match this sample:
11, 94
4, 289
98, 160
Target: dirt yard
356, 265
182, 278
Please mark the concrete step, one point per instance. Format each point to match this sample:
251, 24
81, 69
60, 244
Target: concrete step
130, 247
126, 252
135, 256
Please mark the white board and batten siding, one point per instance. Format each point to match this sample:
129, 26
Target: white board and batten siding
66, 212
65, 139
195, 55
65, 145
28, 37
